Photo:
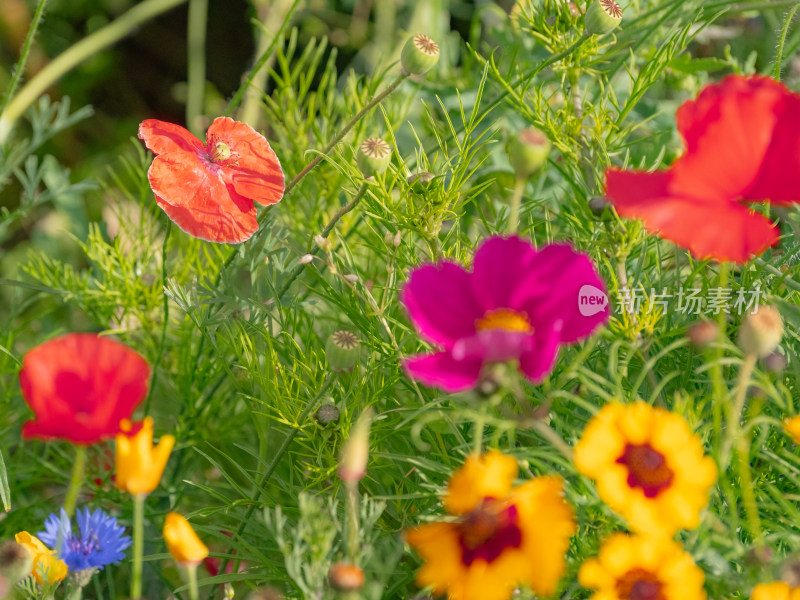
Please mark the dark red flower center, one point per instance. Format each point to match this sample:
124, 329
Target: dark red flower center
488, 530
639, 584
647, 469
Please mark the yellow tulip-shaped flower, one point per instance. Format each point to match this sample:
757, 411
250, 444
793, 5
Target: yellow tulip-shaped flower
139, 464
47, 569
182, 542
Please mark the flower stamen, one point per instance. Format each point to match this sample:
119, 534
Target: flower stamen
506, 319
647, 469
488, 530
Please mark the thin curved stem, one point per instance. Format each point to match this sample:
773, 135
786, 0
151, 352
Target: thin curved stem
776, 69
516, 202
196, 57
76, 54
162, 343
76, 481
138, 545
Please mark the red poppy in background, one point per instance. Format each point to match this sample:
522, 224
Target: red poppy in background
742, 139
80, 386
208, 190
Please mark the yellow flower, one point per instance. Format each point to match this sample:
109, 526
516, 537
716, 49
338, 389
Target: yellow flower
777, 590
46, 567
792, 427
640, 567
182, 542
648, 465
503, 536
139, 464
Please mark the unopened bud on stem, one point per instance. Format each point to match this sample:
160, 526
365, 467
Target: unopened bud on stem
761, 332
528, 151
353, 465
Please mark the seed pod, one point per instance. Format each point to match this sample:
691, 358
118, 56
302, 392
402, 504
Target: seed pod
527, 151
326, 414
761, 332
420, 54
345, 577
703, 333
602, 17
374, 156
600, 207
16, 561
342, 350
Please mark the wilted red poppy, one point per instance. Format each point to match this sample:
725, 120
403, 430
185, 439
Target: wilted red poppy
208, 189
80, 386
742, 140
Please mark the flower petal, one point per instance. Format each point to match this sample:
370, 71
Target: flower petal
492, 345
181, 178
225, 217
443, 371
439, 299
728, 130
161, 137
725, 231
257, 172
537, 362
497, 267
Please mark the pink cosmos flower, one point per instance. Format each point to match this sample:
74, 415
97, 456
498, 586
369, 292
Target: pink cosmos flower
518, 303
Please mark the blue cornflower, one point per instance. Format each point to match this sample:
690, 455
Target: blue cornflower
100, 542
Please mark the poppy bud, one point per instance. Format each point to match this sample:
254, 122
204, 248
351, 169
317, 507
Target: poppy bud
790, 571
527, 151
602, 17
16, 561
326, 414
322, 243
775, 362
345, 577
761, 331
420, 54
600, 207
182, 542
353, 465
703, 333
419, 182
574, 10
374, 156
342, 350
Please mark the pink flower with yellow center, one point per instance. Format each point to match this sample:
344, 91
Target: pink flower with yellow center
516, 304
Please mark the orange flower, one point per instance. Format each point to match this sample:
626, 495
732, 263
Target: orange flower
502, 537
139, 464
777, 590
208, 190
182, 542
46, 567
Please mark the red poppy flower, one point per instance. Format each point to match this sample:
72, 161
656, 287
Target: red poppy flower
80, 386
208, 190
742, 139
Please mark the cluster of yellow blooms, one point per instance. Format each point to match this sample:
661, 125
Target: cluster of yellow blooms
138, 469
648, 466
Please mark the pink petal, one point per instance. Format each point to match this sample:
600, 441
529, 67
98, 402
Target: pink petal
443, 371
498, 265
538, 362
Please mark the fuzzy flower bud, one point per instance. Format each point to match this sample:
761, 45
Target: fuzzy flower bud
16, 561
342, 350
527, 151
761, 331
327, 414
420, 182
703, 333
345, 577
353, 464
420, 54
602, 17
374, 155
182, 541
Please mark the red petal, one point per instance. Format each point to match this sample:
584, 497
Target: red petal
224, 216
779, 181
181, 178
722, 230
161, 137
80, 386
257, 173
728, 131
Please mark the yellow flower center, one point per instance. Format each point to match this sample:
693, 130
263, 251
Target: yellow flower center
639, 584
506, 319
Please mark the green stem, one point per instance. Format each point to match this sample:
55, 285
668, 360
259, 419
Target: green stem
76, 481
19, 69
746, 485
191, 573
352, 522
718, 386
516, 201
552, 436
776, 69
196, 57
737, 408
138, 545
477, 442
162, 343
76, 54
348, 126
307, 409
325, 233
